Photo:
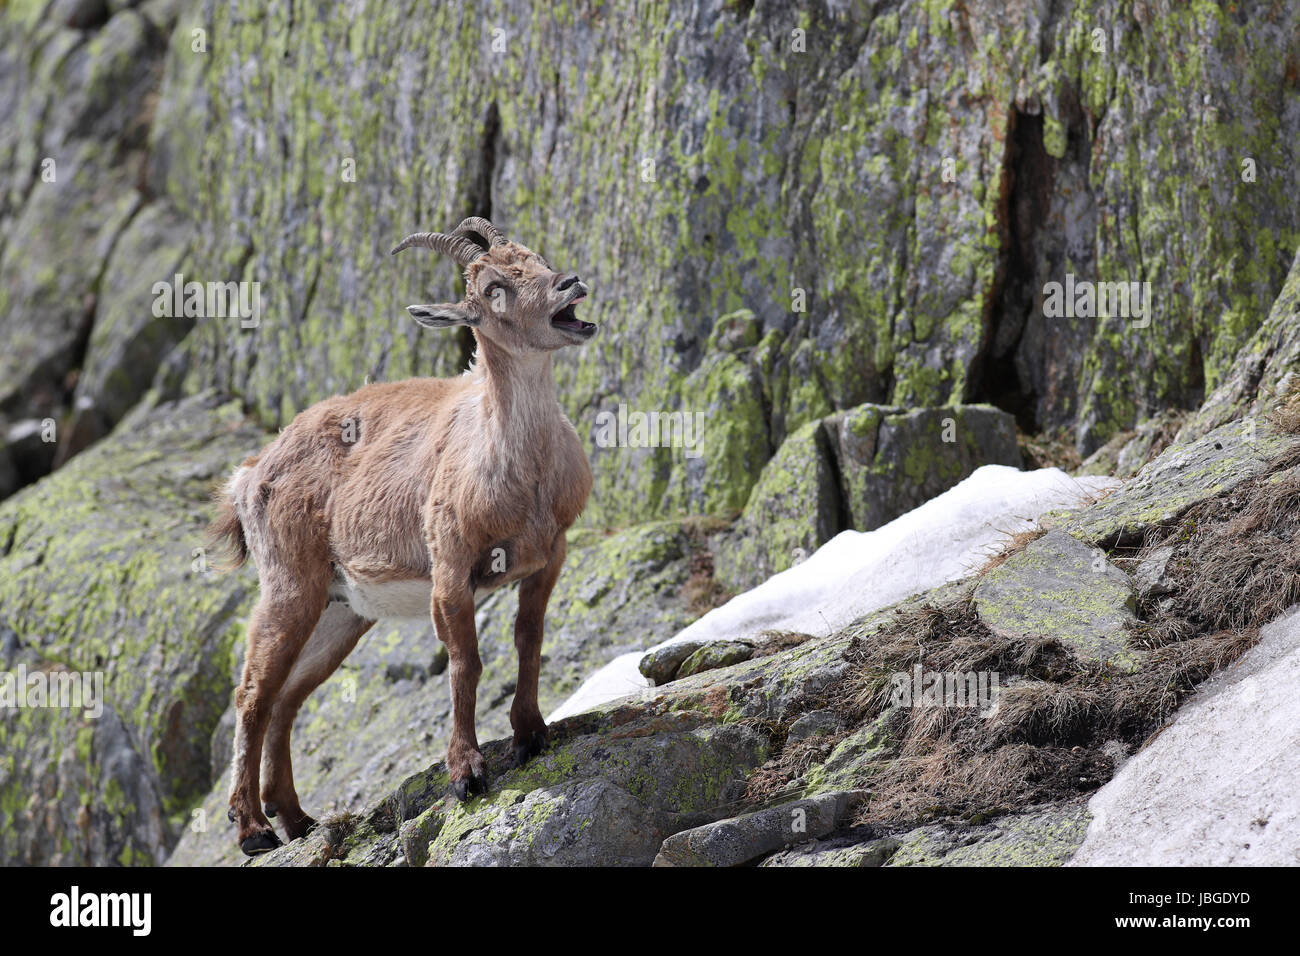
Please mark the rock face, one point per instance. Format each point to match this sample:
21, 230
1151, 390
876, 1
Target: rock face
916, 294
1265, 368
1186, 473
788, 217
75, 107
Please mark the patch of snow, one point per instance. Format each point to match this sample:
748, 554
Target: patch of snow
1217, 787
858, 572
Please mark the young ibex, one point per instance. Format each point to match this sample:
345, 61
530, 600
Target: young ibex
407, 499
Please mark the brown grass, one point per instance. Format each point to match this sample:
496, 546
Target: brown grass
774, 642
1286, 414
701, 591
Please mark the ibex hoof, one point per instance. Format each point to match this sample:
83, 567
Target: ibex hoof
270, 809
466, 787
262, 842
528, 748
296, 831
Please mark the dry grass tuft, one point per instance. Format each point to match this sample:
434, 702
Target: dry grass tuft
1053, 449
774, 642
1014, 545
1286, 415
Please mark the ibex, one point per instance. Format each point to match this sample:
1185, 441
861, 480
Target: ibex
406, 499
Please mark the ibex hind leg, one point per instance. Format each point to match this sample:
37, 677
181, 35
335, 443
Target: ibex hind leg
332, 640
279, 627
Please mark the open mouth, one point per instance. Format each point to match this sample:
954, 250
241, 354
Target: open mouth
567, 321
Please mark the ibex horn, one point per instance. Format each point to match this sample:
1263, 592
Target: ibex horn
461, 249
491, 233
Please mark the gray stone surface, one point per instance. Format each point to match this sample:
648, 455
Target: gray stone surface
1183, 475
1061, 588
739, 840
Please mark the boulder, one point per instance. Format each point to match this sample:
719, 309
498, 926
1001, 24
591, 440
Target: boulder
660, 665
716, 654
1061, 588
738, 840
891, 460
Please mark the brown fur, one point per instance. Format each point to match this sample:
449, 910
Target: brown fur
445, 480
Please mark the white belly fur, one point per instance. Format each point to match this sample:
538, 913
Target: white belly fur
389, 599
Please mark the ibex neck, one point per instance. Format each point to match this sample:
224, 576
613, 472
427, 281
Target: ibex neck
519, 390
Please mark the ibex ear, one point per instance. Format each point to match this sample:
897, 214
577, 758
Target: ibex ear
442, 316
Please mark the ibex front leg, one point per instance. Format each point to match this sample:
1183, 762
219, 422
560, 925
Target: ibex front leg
453, 619
525, 716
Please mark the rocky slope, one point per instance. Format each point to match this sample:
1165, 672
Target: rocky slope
825, 229
782, 759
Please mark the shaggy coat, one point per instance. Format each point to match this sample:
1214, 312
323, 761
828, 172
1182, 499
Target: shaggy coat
407, 499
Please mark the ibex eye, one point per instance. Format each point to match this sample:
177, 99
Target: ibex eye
494, 288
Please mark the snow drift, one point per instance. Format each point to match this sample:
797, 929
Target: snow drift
857, 572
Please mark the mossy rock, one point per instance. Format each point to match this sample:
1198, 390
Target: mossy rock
122, 526
891, 460
793, 509
849, 766
1183, 475
1045, 837
716, 654
1060, 588
608, 791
